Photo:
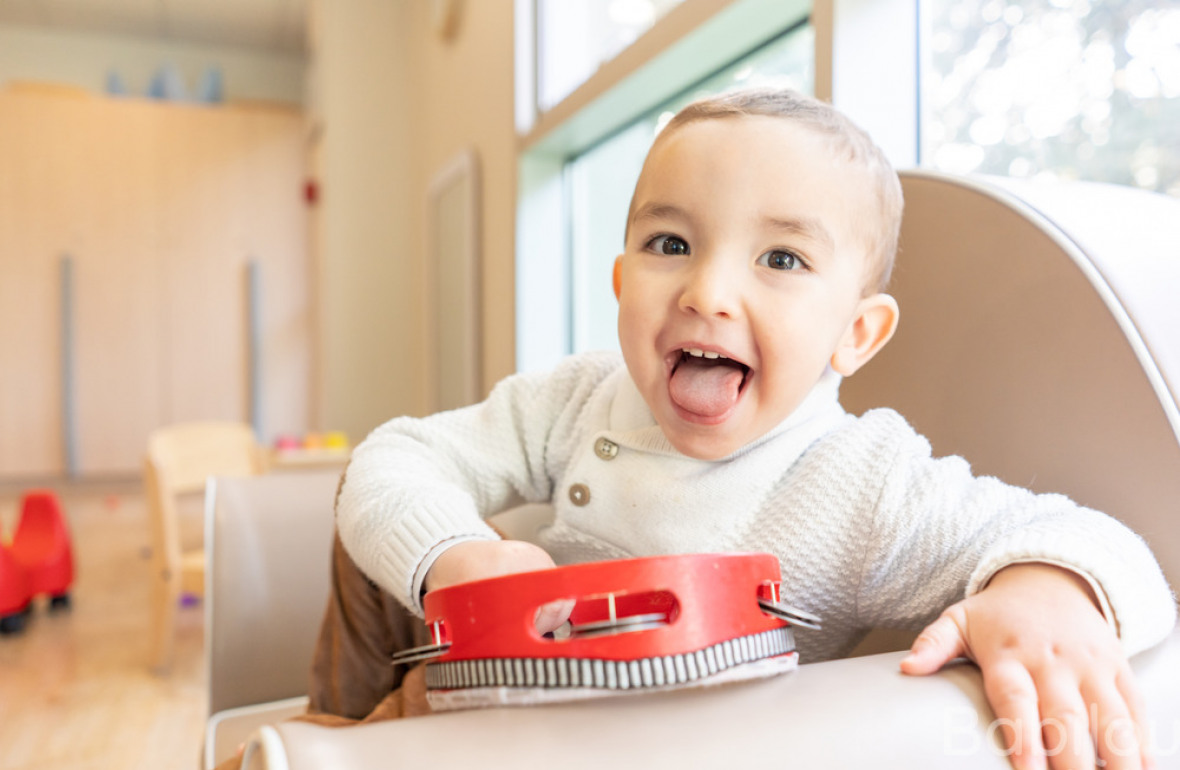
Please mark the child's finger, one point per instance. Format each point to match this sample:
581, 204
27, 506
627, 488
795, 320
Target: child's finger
551, 616
1133, 698
1119, 741
938, 643
1013, 697
1065, 724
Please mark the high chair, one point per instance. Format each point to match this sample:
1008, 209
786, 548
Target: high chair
179, 460
269, 543
1039, 338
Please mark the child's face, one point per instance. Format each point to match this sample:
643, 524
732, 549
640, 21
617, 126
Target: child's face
741, 244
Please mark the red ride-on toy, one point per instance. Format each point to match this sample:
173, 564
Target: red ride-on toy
41, 547
14, 592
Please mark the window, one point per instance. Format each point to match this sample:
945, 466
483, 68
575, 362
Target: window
574, 37
1069, 89
601, 179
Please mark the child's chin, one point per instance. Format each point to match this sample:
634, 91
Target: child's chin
703, 444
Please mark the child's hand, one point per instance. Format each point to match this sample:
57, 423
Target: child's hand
479, 559
1053, 669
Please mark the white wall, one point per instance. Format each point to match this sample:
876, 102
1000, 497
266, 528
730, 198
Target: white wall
368, 272
83, 60
395, 103
466, 84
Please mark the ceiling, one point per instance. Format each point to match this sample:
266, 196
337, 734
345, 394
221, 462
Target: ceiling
277, 26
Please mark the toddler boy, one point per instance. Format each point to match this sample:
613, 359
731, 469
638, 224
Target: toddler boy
759, 243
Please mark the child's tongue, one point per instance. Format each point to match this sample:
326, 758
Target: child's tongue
706, 387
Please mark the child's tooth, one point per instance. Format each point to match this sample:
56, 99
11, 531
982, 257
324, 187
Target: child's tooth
696, 352
711, 354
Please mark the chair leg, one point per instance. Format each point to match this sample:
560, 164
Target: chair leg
164, 600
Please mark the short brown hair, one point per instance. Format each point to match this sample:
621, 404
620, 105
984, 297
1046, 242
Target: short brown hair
846, 139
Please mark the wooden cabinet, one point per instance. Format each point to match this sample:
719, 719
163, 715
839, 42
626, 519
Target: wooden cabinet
161, 210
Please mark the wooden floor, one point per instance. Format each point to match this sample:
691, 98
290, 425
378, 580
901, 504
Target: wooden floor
75, 688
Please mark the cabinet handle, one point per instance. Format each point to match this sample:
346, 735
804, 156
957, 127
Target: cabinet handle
69, 414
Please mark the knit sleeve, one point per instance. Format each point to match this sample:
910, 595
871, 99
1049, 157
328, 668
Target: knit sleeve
941, 533
415, 485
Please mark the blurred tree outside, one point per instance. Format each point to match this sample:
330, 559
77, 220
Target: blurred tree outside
1071, 89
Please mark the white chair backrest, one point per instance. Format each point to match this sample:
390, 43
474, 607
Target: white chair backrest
1040, 340
268, 544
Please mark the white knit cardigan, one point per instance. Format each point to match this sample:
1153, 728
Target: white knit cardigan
869, 529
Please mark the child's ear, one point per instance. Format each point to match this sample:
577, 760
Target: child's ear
617, 276
875, 322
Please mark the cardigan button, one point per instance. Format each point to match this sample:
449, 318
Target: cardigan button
606, 449
579, 494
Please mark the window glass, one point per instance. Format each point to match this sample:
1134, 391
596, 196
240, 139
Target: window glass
576, 36
1069, 89
600, 180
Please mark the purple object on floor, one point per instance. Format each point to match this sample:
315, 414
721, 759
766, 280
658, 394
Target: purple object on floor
189, 600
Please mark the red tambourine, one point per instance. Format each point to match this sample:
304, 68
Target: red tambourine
634, 624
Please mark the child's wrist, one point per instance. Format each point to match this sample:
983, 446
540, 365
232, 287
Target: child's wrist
1045, 575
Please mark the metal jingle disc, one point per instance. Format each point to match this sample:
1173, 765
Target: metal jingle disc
415, 654
620, 625
795, 617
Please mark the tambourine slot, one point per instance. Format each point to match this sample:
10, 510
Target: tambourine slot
621, 625
619, 605
439, 633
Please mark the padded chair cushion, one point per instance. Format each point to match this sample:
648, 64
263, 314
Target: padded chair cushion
269, 541
859, 712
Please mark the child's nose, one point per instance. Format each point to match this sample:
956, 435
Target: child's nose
711, 290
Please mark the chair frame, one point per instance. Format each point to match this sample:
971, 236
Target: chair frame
179, 459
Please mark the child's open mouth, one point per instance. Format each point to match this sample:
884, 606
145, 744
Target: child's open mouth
705, 383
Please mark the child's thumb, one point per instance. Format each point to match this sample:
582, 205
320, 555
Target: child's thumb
553, 615
939, 643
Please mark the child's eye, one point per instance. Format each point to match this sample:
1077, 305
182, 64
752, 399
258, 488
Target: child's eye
668, 244
781, 260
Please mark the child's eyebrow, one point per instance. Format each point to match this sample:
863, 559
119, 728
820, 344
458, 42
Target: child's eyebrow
658, 211
813, 229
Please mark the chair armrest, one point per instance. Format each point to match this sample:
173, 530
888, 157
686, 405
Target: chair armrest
858, 712
226, 730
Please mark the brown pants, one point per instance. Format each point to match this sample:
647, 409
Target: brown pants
352, 680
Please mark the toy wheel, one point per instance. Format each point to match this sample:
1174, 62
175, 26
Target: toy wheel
59, 602
12, 624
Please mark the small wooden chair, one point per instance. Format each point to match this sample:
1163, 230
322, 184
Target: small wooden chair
179, 460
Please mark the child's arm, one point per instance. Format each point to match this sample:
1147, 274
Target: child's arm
476, 560
417, 488
939, 533
1053, 668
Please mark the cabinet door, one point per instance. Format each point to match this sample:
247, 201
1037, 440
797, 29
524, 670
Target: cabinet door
204, 213
274, 155
230, 193
117, 299
161, 208
34, 175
